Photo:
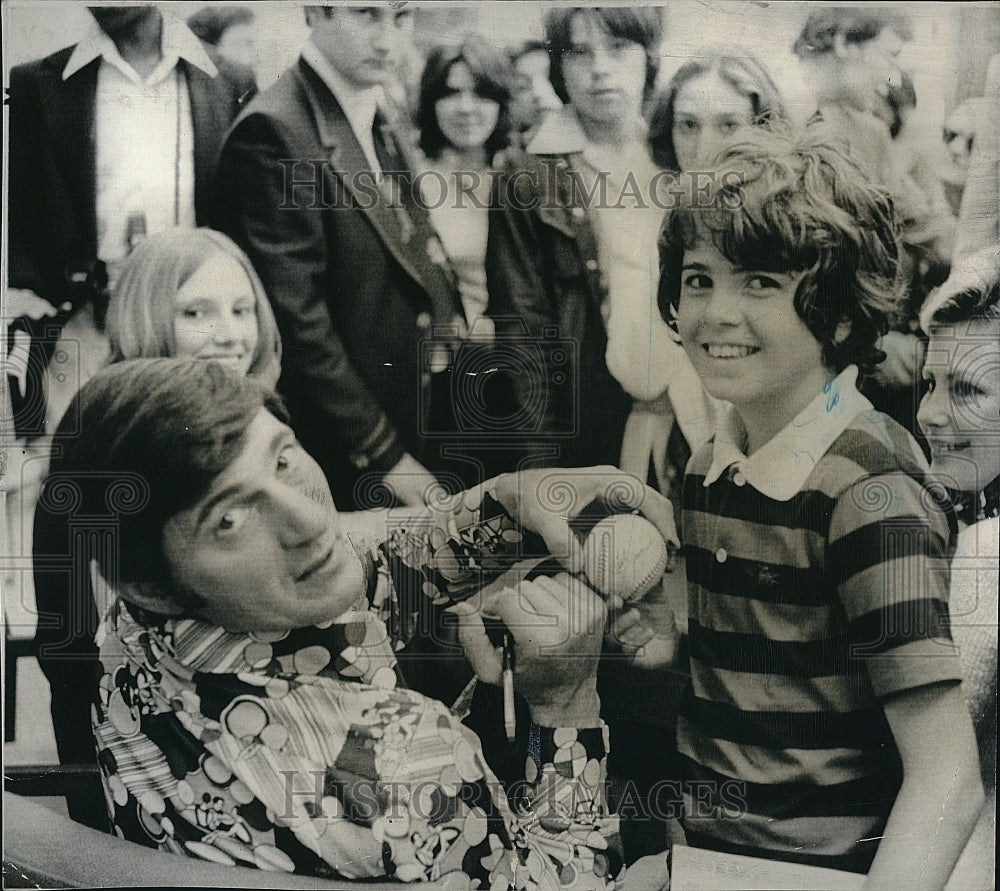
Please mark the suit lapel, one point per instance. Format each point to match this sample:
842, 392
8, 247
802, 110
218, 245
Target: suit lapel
349, 164
70, 126
209, 120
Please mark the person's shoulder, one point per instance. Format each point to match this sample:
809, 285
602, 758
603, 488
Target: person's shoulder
872, 445
237, 80
52, 65
283, 99
279, 110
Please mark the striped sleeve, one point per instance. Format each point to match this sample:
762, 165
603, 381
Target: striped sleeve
888, 554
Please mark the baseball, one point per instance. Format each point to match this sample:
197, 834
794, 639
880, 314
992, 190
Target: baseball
624, 554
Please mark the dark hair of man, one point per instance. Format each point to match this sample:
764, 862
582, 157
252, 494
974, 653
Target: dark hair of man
142, 441
742, 72
211, 22
856, 24
491, 77
642, 25
781, 203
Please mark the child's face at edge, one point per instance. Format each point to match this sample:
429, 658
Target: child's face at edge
960, 412
749, 346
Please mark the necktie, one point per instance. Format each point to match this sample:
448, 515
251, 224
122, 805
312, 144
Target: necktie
416, 232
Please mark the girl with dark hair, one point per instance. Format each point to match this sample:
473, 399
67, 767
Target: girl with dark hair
463, 121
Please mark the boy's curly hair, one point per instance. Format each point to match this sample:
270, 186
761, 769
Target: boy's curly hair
780, 202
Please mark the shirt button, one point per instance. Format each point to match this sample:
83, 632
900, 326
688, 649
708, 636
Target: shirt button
739, 479
591, 265
721, 555
424, 320
578, 212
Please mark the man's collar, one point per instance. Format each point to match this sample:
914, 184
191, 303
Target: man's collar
359, 104
781, 466
559, 133
177, 41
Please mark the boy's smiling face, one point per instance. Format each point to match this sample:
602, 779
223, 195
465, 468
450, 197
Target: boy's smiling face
749, 346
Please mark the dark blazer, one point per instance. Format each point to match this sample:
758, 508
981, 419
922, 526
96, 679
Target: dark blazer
544, 277
355, 289
52, 202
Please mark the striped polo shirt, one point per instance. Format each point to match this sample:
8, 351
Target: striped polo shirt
817, 585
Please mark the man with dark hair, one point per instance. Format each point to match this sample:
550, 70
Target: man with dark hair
357, 276
533, 96
228, 32
249, 644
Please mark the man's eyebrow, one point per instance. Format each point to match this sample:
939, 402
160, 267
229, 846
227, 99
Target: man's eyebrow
225, 493
700, 267
210, 504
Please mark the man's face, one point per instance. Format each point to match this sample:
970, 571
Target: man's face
263, 548
604, 75
361, 42
534, 95
869, 69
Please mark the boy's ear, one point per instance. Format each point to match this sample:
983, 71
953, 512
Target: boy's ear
843, 331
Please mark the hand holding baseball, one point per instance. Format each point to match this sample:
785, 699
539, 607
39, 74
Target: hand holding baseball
545, 500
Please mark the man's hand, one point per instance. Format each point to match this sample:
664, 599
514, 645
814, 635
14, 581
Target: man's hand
557, 625
544, 501
410, 482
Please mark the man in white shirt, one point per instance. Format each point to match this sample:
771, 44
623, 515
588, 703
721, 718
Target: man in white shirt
359, 282
110, 139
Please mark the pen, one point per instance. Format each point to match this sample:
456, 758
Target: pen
507, 677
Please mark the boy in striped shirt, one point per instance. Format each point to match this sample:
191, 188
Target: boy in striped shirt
823, 678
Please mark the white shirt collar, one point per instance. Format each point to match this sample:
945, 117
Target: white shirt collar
359, 103
560, 133
177, 41
781, 466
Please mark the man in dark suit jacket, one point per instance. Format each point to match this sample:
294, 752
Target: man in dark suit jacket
53, 228
59, 237
366, 305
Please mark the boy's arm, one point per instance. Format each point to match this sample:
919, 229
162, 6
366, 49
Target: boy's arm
891, 542
941, 795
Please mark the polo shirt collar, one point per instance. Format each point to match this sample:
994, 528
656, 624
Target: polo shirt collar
358, 103
177, 41
779, 468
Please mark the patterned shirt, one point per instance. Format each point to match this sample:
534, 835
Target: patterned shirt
301, 751
817, 586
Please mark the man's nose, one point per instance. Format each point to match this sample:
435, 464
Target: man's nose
299, 516
384, 37
601, 61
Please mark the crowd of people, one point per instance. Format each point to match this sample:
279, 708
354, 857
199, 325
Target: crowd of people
327, 381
